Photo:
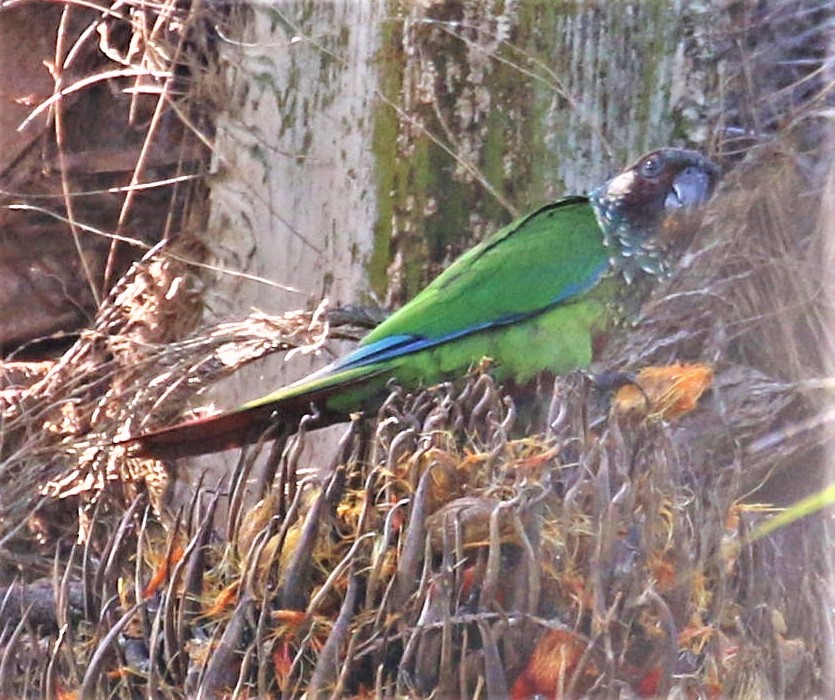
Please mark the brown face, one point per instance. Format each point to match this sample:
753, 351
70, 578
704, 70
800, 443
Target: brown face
658, 196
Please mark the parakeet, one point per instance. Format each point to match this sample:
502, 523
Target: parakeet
535, 296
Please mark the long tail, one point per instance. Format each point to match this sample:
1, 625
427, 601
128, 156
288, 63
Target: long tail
223, 431
248, 423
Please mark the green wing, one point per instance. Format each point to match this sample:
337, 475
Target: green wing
519, 297
548, 257
542, 261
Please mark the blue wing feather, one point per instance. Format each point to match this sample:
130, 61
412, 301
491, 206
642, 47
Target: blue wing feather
394, 346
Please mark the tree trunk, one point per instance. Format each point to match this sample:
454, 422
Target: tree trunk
370, 142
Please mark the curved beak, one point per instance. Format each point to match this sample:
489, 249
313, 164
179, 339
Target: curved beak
691, 187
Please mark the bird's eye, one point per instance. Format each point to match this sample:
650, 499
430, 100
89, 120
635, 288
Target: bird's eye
652, 166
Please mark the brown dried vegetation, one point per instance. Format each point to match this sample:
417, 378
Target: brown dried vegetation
457, 544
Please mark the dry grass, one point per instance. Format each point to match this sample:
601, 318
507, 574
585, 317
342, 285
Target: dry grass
456, 544
453, 534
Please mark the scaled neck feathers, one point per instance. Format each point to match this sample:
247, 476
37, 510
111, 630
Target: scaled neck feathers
633, 251
650, 211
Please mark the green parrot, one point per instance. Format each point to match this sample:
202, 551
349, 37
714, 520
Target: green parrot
538, 295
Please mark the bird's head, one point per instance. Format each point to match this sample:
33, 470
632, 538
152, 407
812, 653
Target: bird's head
650, 211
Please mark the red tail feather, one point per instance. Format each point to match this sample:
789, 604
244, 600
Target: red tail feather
202, 436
